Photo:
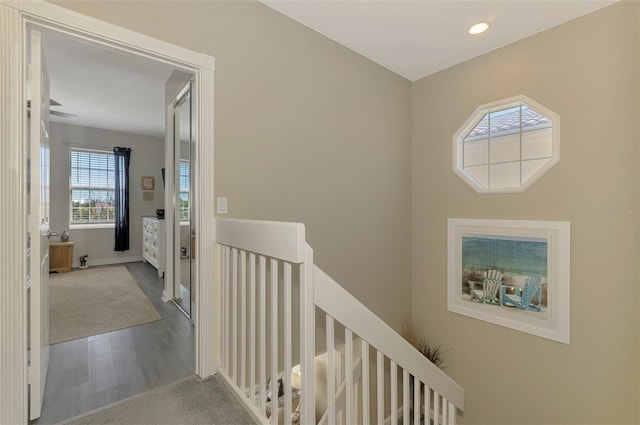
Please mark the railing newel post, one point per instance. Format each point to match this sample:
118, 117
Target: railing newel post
307, 339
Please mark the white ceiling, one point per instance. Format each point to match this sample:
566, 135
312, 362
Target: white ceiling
106, 89
413, 38
416, 38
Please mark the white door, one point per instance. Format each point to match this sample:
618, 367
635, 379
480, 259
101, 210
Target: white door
38, 226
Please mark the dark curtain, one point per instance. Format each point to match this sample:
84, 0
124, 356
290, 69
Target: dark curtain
122, 158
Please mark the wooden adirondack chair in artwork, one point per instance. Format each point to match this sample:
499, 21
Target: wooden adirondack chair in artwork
524, 297
487, 290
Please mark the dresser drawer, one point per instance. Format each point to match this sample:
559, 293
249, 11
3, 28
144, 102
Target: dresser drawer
147, 227
151, 255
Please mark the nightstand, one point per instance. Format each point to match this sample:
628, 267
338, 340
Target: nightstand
60, 256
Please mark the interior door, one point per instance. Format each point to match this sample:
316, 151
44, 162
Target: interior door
38, 225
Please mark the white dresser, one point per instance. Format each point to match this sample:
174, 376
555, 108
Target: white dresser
153, 243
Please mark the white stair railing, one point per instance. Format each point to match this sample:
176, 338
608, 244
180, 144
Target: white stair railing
266, 277
438, 396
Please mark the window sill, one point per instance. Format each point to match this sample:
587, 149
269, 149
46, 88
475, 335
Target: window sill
92, 226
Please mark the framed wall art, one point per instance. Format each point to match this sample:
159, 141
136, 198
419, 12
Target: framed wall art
512, 273
148, 183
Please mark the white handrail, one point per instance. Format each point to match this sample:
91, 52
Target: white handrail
276, 239
345, 308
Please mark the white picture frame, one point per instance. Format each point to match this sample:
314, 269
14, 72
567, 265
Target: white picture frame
529, 262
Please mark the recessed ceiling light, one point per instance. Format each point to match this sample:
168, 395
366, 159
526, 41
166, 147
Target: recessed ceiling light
478, 28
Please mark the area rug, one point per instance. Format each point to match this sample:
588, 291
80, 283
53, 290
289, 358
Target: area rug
189, 401
90, 302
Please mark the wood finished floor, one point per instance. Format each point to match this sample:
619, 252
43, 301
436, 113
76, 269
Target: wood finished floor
92, 372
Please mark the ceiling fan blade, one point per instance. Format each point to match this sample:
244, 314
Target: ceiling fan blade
52, 102
63, 115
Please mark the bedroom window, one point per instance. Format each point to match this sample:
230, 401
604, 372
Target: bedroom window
91, 187
184, 190
507, 145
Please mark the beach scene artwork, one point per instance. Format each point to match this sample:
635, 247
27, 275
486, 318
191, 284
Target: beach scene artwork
518, 266
512, 273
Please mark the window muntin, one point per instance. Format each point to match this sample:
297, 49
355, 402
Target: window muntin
506, 146
91, 187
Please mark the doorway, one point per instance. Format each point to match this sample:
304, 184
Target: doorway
16, 19
90, 121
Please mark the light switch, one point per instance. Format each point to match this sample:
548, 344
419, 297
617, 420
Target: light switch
222, 205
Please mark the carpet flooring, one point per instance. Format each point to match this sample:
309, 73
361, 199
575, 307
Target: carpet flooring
191, 401
94, 301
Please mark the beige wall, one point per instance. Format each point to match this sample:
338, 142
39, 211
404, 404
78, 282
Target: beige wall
587, 71
147, 159
306, 130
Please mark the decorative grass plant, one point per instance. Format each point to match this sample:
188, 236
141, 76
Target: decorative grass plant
414, 336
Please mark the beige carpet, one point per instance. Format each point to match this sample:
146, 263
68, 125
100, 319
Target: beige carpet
189, 402
94, 301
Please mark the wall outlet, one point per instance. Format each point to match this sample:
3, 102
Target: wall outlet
222, 205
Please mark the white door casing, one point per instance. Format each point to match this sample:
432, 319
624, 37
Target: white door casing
38, 224
15, 18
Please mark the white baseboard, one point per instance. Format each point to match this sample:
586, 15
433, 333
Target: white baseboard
109, 261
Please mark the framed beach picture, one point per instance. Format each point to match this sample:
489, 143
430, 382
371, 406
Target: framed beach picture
512, 273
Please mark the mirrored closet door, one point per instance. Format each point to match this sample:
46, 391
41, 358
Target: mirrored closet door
184, 236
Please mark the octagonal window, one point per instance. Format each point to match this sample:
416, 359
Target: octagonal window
507, 145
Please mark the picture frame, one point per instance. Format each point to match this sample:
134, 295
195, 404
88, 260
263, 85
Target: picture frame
512, 273
148, 183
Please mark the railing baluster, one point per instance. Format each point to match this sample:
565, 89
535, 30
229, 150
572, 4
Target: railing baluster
380, 385
356, 400
234, 314
348, 371
223, 304
365, 382
252, 327
436, 408
331, 373
444, 411
262, 278
452, 413
405, 396
274, 341
288, 347
243, 320
427, 404
338, 365
394, 393
226, 315
416, 400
